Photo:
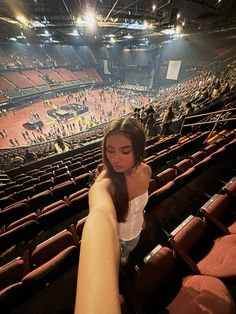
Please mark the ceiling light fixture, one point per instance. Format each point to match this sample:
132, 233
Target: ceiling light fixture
22, 19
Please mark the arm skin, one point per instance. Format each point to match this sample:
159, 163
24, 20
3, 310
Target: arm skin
97, 282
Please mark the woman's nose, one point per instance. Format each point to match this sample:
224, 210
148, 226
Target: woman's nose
115, 157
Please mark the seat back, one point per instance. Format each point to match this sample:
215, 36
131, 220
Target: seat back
14, 188
80, 226
25, 193
61, 178
166, 176
230, 188
40, 200
11, 273
82, 181
189, 235
183, 165
217, 205
156, 282
30, 182
51, 247
75, 172
14, 212
198, 156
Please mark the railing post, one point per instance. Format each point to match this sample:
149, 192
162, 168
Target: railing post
182, 125
213, 129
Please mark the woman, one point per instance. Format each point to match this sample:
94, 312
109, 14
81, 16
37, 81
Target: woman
127, 178
116, 204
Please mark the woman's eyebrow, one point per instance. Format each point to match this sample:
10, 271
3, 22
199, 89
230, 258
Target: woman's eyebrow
128, 146
122, 147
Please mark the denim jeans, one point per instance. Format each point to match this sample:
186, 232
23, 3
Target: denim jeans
127, 246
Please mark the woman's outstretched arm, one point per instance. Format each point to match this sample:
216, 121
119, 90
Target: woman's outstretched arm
97, 282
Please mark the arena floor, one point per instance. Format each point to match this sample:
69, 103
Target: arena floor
13, 121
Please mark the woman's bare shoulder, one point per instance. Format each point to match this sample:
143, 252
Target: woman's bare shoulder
146, 169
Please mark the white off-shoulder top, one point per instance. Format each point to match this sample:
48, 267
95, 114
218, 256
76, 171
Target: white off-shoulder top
132, 227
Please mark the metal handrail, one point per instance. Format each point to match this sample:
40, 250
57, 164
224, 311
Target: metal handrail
207, 122
209, 113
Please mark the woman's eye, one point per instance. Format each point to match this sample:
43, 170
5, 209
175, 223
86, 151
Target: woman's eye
126, 153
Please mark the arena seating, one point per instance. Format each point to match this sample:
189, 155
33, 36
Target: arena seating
43, 200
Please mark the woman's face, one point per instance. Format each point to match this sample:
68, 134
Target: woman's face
119, 152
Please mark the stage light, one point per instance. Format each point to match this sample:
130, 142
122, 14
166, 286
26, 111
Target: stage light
128, 36
22, 19
90, 19
178, 16
154, 7
168, 31
178, 29
145, 24
78, 21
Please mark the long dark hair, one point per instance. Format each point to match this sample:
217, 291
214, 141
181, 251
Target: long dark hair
133, 130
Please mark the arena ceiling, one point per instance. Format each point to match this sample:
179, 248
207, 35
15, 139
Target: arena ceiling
110, 21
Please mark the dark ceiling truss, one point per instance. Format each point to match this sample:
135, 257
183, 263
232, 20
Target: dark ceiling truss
59, 17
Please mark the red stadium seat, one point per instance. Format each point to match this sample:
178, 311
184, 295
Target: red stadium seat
203, 255
51, 259
157, 287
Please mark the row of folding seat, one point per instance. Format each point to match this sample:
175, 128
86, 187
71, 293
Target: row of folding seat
65, 184
159, 159
25, 275
23, 221
171, 204
186, 274
65, 162
47, 180
74, 159
70, 166
173, 178
158, 143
